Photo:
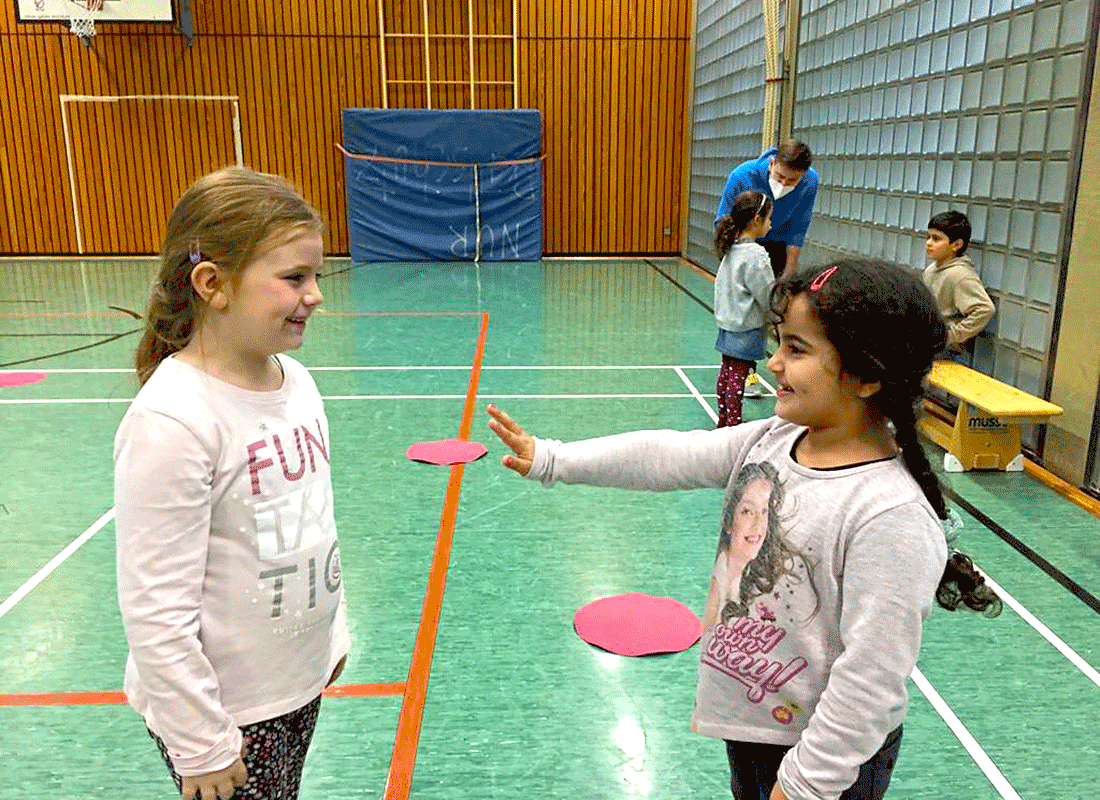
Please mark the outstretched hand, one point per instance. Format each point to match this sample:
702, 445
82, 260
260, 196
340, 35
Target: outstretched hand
521, 443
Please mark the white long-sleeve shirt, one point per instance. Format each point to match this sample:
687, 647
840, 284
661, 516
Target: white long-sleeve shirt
820, 661
228, 564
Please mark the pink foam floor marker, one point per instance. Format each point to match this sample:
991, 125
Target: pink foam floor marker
636, 624
446, 451
21, 378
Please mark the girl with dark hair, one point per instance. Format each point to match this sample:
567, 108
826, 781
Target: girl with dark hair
807, 683
741, 291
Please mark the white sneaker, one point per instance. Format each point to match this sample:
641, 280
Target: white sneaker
753, 388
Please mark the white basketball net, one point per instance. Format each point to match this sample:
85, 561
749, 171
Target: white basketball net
82, 20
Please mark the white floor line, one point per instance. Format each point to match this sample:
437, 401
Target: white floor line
55, 562
389, 397
968, 741
984, 762
695, 393
395, 368
1063, 648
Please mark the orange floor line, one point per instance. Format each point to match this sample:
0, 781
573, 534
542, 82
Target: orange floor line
399, 779
116, 698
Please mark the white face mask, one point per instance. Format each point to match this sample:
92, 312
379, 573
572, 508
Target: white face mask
778, 189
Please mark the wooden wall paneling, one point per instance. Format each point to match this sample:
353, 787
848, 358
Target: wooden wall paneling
573, 120
660, 157
7, 216
13, 139
649, 115
565, 80
637, 231
643, 180
279, 110
656, 113
315, 86
25, 135
616, 99
553, 78
560, 180
354, 19
122, 136
130, 163
86, 132
47, 131
325, 192
682, 79
178, 141
266, 107
29, 110
588, 155
253, 127
48, 215
165, 178
162, 178
665, 142
538, 68
602, 155
124, 142
604, 74
674, 140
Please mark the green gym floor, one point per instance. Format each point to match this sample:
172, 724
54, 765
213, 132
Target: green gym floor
516, 706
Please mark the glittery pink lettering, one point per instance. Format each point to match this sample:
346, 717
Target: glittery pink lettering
320, 442
254, 466
738, 650
291, 476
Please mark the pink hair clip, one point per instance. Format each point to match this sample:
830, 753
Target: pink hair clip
820, 280
195, 255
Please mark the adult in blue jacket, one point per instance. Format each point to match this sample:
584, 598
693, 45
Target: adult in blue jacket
784, 174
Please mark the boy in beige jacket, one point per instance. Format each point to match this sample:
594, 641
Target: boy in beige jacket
953, 281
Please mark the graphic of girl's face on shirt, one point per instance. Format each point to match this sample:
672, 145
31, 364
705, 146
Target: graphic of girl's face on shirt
749, 525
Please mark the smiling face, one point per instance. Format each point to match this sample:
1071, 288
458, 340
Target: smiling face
266, 310
812, 390
749, 525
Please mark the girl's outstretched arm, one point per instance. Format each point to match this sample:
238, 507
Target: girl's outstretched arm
510, 432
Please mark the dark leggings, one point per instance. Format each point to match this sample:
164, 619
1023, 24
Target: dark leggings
731, 389
275, 752
754, 767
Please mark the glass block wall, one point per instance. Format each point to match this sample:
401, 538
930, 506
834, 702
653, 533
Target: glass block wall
728, 112
913, 108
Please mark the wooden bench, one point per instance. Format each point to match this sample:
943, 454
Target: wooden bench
986, 429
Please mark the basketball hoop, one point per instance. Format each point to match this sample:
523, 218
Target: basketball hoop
82, 18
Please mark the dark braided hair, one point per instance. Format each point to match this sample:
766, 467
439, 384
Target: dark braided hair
885, 327
748, 206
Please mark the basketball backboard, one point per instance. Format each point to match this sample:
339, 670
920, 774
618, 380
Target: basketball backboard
112, 10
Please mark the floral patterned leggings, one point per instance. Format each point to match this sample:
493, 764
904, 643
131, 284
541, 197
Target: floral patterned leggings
275, 752
731, 389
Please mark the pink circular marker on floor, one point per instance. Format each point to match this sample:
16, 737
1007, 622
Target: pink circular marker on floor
21, 378
636, 624
446, 451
